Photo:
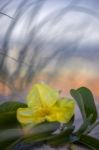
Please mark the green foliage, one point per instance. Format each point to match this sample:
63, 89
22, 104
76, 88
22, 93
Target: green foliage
52, 133
62, 138
37, 133
84, 126
8, 114
90, 142
85, 101
89, 103
8, 121
45, 127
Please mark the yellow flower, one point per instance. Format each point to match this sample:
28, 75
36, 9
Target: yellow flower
44, 104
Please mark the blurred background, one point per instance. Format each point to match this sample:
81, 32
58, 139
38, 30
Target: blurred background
51, 41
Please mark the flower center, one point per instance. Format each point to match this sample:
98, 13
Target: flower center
44, 112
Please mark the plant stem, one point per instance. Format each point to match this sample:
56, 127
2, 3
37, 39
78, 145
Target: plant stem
91, 128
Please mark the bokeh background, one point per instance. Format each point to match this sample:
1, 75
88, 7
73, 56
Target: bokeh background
51, 41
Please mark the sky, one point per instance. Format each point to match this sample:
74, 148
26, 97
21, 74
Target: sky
75, 35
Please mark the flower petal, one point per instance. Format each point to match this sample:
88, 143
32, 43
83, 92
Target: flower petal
25, 115
42, 95
66, 108
62, 111
37, 117
66, 103
33, 98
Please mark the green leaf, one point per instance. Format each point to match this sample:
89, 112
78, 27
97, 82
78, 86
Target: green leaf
9, 136
77, 96
8, 120
73, 138
38, 133
84, 126
41, 131
90, 142
5, 144
8, 114
45, 127
11, 106
70, 123
61, 138
89, 104
36, 138
90, 128
85, 101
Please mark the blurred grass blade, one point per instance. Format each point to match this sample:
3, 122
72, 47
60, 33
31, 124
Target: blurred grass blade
2, 13
90, 142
